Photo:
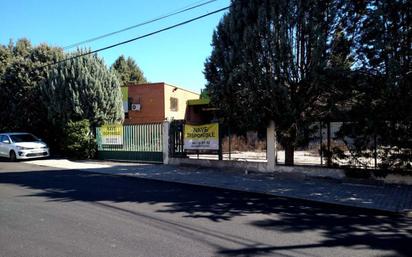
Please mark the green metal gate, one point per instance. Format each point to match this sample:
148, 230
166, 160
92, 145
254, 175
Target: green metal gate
143, 142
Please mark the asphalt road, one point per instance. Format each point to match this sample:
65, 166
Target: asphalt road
48, 212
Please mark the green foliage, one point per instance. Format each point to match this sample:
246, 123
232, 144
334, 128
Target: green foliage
381, 104
128, 71
82, 88
204, 94
78, 140
296, 62
43, 99
384, 55
273, 60
20, 74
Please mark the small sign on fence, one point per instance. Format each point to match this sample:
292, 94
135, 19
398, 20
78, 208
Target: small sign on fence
201, 137
112, 134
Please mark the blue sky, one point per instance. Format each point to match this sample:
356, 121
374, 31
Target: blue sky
175, 56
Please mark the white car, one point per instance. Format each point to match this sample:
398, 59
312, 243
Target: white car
19, 146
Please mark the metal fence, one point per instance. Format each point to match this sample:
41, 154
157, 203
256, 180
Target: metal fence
142, 142
249, 146
325, 144
316, 145
349, 144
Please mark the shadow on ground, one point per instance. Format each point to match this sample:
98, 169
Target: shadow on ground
342, 226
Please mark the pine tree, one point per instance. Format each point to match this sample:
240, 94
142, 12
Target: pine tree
128, 71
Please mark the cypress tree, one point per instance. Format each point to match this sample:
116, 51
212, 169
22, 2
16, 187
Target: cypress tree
270, 61
82, 88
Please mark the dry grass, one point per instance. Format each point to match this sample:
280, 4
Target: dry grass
242, 144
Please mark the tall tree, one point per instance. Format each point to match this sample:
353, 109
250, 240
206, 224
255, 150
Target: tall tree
82, 88
384, 52
21, 70
128, 71
271, 60
382, 105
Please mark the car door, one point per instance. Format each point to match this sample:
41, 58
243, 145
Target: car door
5, 145
2, 145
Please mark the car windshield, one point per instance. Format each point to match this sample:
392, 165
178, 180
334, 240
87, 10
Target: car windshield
23, 138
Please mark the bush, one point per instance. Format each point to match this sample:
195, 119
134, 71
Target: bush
78, 142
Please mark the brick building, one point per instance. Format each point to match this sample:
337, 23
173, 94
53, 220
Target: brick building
155, 102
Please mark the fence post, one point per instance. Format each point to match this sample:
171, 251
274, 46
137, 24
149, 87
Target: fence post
271, 146
220, 152
165, 135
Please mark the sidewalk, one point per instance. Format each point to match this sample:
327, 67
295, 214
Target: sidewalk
392, 198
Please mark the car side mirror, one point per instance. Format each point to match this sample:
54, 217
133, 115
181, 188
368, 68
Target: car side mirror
6, 141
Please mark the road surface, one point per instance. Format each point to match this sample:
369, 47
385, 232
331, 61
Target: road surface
50, 212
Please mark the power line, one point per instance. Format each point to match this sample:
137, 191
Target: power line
137, 38
185, 9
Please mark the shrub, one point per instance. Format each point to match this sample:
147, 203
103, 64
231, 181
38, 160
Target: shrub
78, 142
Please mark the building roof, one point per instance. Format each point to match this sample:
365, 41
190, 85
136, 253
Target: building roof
198, 102
160, 83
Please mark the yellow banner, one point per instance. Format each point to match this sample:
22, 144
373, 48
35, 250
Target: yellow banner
201, 137
112, 134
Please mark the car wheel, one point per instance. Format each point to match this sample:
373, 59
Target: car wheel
13, 157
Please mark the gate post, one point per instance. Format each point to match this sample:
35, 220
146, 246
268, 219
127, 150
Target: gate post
271, 146
165, 147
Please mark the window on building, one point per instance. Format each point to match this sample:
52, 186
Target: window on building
173, 104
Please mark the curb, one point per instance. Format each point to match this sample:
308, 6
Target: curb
383, 211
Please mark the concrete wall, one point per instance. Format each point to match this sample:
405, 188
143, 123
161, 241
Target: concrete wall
182, 95
262, 167
293, 171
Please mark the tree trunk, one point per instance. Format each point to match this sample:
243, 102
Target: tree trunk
289, 153
290, 145
329, 156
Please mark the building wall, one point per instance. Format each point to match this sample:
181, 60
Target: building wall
125, 96
182, 95
151, 101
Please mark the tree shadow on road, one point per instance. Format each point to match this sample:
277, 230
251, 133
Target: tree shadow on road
340, 226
